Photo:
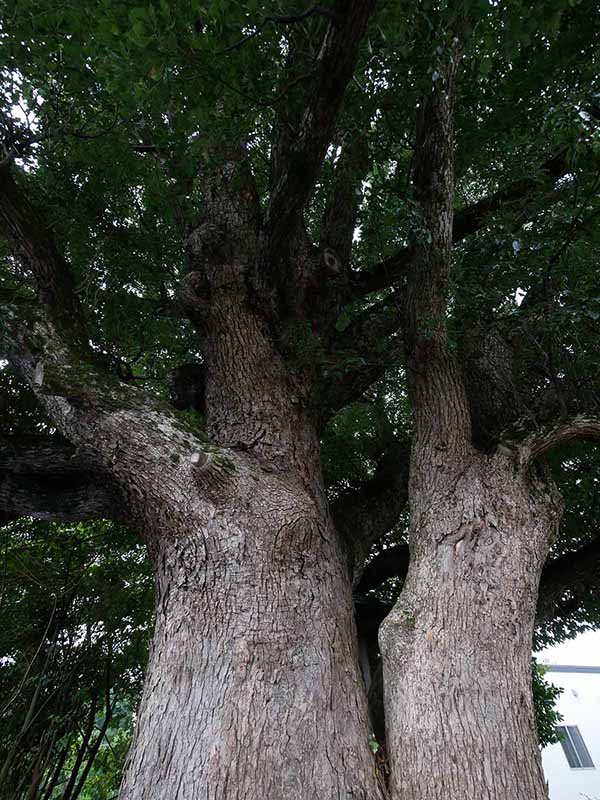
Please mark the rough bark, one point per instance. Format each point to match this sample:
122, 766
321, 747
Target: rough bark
253, 687
457, 646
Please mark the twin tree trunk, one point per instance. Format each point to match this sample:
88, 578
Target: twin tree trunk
457, 646
253, 687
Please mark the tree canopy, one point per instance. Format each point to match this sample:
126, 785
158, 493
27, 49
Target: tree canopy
120, 125
114, 112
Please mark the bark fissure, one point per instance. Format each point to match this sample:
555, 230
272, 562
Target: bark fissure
457, 645
253, 663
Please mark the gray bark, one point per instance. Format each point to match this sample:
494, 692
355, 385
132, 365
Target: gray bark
253, 687
456, 648
457, 645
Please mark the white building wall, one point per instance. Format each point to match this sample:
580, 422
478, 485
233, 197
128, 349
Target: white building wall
579, 705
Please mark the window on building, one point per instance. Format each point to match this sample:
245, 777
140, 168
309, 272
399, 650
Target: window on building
574, 747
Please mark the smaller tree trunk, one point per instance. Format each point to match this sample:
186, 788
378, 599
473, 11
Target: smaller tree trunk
457, 645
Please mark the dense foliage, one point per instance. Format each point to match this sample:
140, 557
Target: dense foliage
112, 116
76, 610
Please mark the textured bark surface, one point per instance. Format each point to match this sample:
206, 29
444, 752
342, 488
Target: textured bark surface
457, 646
253, 688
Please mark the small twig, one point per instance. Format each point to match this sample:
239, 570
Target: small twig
31, 663
285, 19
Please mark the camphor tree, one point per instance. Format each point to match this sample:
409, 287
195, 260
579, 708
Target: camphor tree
384, 209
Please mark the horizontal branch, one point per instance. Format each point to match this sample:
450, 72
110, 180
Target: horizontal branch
543, 441
467, 221
46, 478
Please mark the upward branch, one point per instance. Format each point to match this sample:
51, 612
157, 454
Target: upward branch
441, 411
32, 243
296, 163
340, 215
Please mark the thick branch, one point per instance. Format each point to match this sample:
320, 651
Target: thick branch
297, 164
440, 407
46, 478
580, 426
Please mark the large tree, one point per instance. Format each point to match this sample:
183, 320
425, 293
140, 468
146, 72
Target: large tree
344, 205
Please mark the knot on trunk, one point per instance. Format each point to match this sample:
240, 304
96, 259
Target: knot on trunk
460, 543
214, 475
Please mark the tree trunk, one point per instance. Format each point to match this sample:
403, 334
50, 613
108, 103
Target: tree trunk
457, 645
253, 687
